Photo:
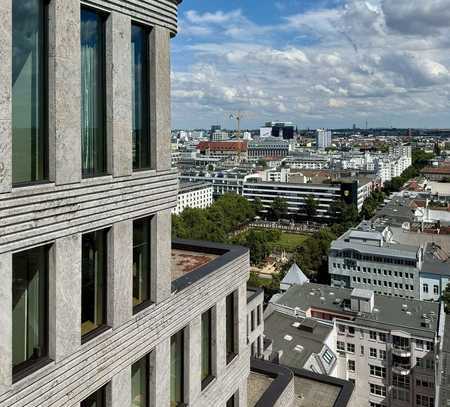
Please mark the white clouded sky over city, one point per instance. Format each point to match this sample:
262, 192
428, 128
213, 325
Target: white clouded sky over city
318, 63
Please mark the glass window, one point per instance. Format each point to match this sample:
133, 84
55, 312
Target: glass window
141, 260
96, 399
29, 95
29, 307
93, 281
231, 401
140, 383
93, 116
206, 347
140, 92
177, 369
230, 326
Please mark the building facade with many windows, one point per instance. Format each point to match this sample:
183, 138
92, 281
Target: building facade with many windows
96, 307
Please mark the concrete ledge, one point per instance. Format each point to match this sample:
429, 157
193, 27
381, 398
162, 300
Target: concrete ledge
282, 377
227, 254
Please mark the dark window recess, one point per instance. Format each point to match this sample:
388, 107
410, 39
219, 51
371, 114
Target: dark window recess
140, 383
93, 94
97, 399
140, 96
206, 348
29, 308
177, 369
29, 99
230, 328
93, 281
141, 260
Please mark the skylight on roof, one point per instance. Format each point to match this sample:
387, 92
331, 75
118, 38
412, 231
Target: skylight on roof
288, 338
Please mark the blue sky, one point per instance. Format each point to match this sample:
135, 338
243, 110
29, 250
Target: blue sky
318, 63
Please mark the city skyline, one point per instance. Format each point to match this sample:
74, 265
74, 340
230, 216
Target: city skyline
327, 63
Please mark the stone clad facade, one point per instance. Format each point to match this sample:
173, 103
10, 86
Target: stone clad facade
58, 212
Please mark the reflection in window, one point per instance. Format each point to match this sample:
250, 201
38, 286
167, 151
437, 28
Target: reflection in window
206, 347
141, 260
140, 89
93, 132
93, 276
177, 369
29, 96
29, 308
96, 399
140, 383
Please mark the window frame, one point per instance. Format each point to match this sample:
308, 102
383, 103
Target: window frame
45, 115
29, 366
104, 326
205, 381
104, 92
147, 95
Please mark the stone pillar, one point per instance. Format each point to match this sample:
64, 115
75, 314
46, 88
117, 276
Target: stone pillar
161, 256
160, 375
241, 318
65, 297
118, 392
160, 126
118, 94
194, 365
64, 92
5, 95
5, 321
221, 337
242, 394
120, 273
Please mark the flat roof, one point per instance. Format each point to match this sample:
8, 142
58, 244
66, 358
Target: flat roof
388, 311
320, 393
388, 249
257, 385
186, 186
278, 327
186, 261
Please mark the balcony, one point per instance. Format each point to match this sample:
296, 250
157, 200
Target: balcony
401, 351
402, 369
192, 261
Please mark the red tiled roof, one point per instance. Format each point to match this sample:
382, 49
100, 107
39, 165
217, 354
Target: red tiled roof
437, 170
223, 145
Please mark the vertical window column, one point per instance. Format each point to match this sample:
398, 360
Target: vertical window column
231, 327
177, 369
93, 94
207, 348
29, 91
140, 71
141, 262
93, 282
29, 309
140, 383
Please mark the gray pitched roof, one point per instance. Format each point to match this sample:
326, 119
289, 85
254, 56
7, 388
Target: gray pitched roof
295, 276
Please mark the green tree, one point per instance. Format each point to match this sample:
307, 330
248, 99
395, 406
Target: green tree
257, 205
279, 208
262, 163
311, 206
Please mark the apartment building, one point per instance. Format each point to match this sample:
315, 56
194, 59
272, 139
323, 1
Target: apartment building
193, 195
388, 347
97, 307
268, 147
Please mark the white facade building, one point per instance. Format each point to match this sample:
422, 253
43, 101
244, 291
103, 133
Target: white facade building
323, 138
193, 195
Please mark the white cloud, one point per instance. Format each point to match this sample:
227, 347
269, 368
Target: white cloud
360, 59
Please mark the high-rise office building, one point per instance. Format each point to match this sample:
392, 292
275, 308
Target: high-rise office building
323, 138
96, 307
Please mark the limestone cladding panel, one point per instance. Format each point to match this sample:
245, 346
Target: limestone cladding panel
5, 321
97, 361
5, 96
37, 215
161, 13
64, 93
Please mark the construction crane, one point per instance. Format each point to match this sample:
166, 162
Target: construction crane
238, 116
